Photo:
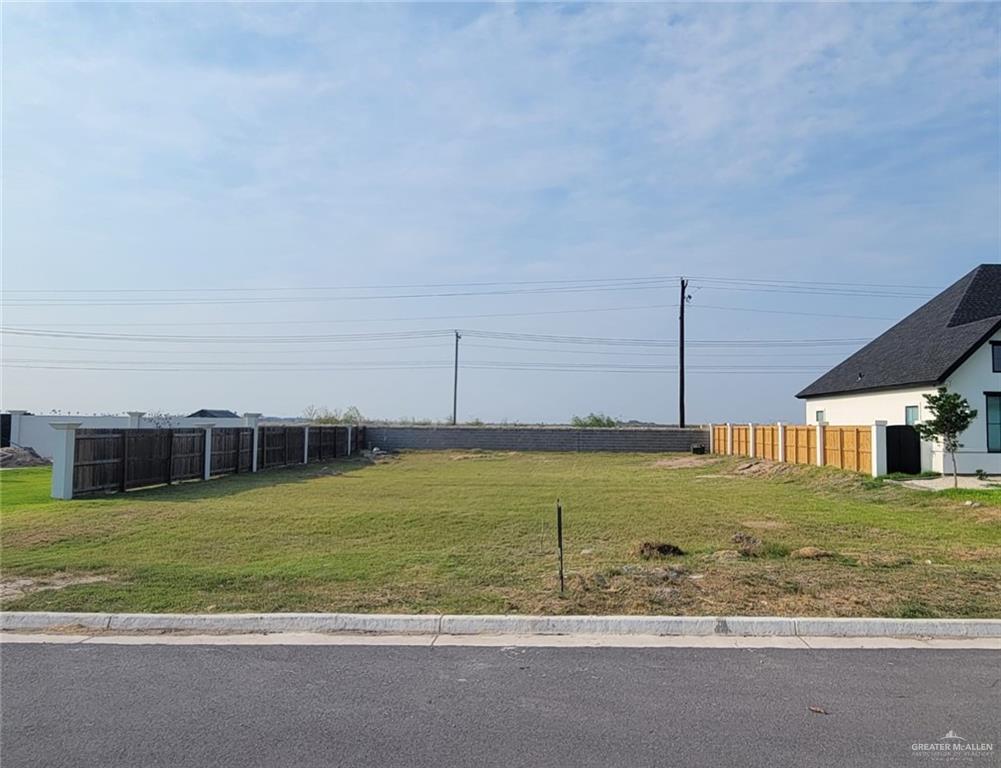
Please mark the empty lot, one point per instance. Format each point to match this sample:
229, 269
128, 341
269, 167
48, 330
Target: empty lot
475, 532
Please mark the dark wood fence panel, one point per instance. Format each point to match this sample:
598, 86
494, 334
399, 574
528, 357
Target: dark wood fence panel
147, 457
231, 450
97, 465
272, 447
122, 459
188, 459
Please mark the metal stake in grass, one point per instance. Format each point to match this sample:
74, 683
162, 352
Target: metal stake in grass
559, 538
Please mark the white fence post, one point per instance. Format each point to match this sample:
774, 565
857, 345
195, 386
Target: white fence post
750, 440
135, 417
878, 449
729, 439
711, 446
305, 446
250, 420
207, 469
820, 442
63, 459
350, 441
782, 441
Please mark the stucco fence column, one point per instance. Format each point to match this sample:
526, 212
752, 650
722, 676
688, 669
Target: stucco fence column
135, 418
879, 449
305, 445
820, 442
63, 459
250, 420
729, 439
15, 427
782, 442
750, 440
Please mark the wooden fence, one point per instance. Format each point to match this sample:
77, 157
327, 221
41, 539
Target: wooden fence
800, 444
848, 448
845, 447
121, 459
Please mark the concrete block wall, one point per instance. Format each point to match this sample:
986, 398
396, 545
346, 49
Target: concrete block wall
640, 440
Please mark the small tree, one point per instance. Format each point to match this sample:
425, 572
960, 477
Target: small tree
951, 416
594, 420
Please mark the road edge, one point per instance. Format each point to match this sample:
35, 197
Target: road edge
446, 624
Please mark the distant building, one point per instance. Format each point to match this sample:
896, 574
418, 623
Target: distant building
212, 413
953, 341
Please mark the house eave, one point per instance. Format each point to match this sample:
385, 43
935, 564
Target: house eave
869, 390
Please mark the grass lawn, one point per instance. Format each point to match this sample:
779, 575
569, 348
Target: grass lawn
475, 532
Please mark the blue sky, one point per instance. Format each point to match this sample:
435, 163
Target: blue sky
162, 146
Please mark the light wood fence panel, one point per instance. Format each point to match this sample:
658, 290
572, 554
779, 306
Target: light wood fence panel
719, 438
741, 440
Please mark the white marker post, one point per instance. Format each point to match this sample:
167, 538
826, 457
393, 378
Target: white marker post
64, 459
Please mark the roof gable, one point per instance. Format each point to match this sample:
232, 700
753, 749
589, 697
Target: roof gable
926, 346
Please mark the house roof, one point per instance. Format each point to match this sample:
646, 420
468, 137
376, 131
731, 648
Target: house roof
929, 344
212, 413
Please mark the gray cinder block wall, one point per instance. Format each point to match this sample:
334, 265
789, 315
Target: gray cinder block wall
648, 440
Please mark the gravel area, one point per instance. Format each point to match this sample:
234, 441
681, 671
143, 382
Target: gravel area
946, 481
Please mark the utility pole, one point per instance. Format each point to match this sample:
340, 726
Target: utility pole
681, 353
455, 380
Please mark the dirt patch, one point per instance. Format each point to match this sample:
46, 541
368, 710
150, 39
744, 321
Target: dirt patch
879, 560
12, 456
810, 553
11, 589
765, 525
724, 554
683, 462
986, 514
650, 549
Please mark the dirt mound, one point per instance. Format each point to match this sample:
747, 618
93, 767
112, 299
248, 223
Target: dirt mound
810, 553
763, 468
14, 456
649, 549
684, 462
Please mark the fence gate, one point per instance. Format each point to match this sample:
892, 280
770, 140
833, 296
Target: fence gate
903, 449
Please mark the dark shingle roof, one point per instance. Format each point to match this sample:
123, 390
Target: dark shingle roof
212, 413
926, 346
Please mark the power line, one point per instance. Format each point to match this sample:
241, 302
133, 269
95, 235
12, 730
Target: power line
585, 310
420, 334
305, 299
452, 284
476, 365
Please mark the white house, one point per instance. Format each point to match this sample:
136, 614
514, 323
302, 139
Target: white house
953, 341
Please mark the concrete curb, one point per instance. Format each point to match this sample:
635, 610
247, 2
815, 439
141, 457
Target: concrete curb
434, 624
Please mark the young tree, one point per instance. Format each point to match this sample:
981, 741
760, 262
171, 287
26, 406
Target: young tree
593, 420
951, 416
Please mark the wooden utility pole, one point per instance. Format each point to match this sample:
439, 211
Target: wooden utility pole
681, 353
455, 380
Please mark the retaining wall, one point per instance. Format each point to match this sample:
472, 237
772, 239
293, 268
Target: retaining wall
641, 440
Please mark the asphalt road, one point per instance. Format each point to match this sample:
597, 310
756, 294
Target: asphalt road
221, 706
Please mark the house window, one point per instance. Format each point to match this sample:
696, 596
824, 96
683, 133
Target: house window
996, 356
911, 415
820, 417
994, 422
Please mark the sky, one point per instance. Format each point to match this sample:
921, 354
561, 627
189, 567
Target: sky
265, 207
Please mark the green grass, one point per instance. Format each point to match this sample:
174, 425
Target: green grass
475, 532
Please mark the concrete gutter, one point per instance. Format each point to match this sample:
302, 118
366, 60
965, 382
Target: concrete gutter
435, 624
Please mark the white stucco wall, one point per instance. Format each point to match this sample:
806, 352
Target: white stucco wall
36, 431
971, 380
